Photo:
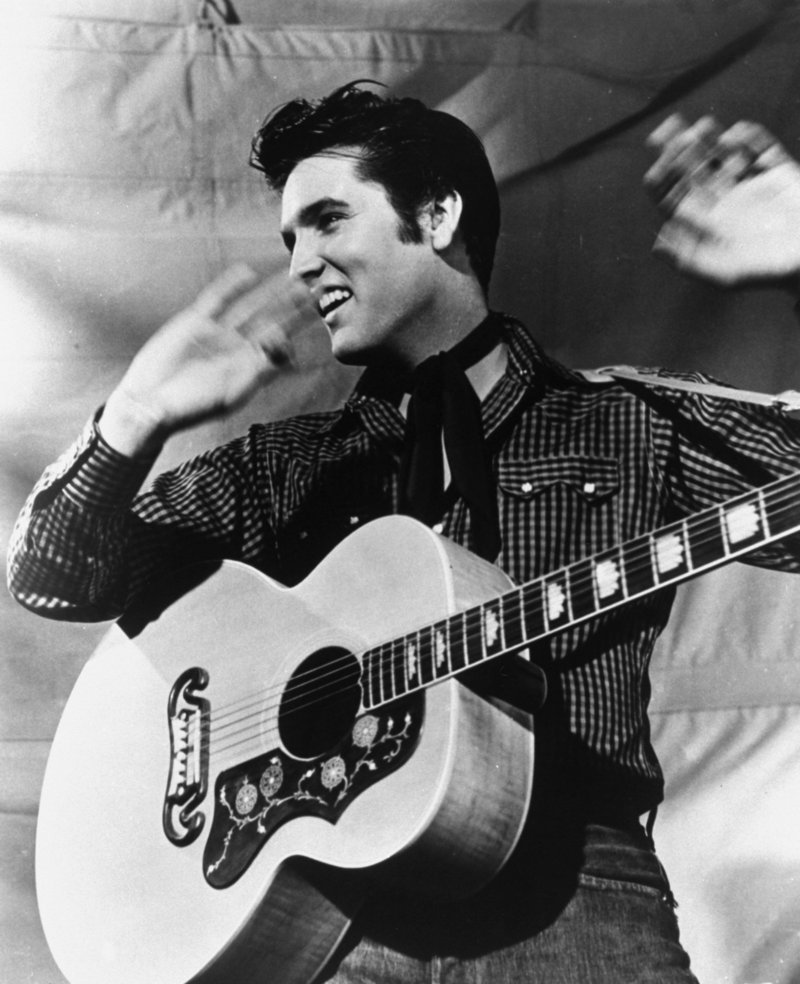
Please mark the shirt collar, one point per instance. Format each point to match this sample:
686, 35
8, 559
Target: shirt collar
530, 371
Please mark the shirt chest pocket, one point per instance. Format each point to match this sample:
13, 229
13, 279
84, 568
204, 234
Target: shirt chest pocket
556, 510
590, 479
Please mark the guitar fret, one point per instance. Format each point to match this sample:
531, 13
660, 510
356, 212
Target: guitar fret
385, 666
398, 668
582, 601
781, 512
706, 540
637, 562
457, 643
426, 663
387, 673
366, 681
514, 620
473, 635
560, 599
532, 622
762, 511
721, 520
377, 663
384, 671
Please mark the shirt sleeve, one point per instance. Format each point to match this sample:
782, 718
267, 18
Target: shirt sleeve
87, 541
712, 449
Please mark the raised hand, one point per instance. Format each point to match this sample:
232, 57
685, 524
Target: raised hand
201, 364
732, 202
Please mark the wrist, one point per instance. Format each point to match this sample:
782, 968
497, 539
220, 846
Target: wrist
130, 427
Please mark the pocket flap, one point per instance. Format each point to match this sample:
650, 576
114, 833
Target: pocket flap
591, 477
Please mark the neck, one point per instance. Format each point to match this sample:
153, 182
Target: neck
487, 371
484, 357
460, 306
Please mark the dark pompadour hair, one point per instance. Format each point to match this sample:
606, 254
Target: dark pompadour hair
417, 154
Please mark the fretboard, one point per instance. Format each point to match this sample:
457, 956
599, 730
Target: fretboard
580, 591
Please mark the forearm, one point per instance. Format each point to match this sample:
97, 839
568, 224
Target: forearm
82, 548
86, 544
67, 556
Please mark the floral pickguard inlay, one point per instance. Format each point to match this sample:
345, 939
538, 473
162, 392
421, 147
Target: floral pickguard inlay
258, 796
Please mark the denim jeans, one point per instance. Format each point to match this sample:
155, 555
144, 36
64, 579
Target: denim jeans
614, 923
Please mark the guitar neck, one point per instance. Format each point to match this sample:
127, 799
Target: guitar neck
580, 591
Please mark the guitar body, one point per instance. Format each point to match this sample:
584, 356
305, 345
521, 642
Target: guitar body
189, 831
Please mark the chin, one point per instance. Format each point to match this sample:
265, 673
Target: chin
351, 348
348, 351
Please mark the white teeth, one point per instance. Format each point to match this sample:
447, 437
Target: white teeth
333, 298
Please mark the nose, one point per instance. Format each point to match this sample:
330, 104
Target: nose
306, 262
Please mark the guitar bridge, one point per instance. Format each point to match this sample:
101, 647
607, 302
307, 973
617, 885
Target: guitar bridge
188, 716
255, 798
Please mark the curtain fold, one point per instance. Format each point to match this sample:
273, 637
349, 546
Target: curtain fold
124, 188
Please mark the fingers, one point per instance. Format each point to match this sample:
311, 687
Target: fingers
687, 156
252, 301
238, 300
671, 127
215, 299
705, 159
756, 142
273, 340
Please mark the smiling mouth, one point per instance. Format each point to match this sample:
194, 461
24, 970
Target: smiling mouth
333, 299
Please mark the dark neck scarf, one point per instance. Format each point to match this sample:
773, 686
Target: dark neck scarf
444, 404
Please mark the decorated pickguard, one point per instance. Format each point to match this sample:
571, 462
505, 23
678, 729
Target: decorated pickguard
258, 796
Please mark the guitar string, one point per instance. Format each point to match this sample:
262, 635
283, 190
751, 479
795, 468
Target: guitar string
262, 736
332, 668
319, 676
265, 735
388, 670
587, 585
308, 697
387, 673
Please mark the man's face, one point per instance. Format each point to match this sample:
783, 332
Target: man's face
375, 293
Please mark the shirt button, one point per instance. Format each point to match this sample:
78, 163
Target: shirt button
589, 487
438, 528
527, 487
354, 520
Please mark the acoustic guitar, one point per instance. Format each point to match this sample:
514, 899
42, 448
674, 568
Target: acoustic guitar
238, 761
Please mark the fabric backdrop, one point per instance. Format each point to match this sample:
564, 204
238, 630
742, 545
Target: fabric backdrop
124, 188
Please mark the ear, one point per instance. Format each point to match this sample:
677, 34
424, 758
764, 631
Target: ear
445, 216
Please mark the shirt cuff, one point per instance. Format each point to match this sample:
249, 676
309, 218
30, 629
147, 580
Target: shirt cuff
93, 474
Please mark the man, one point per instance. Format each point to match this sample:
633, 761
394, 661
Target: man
390, 215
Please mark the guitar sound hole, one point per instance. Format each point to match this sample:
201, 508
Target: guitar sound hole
320, 702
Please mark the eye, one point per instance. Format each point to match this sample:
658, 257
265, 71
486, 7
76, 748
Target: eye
328, 221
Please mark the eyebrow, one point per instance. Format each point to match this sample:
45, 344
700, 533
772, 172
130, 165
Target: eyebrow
309, 215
